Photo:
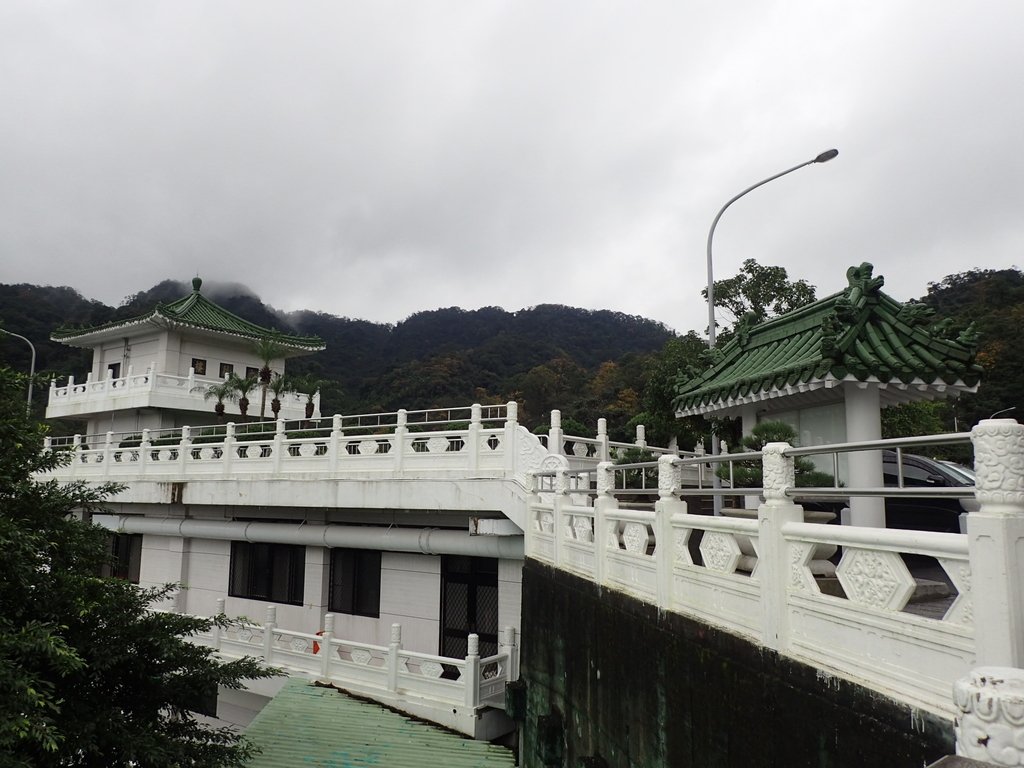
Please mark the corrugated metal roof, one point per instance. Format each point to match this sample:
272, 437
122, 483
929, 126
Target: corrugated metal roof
309, 725
859, 333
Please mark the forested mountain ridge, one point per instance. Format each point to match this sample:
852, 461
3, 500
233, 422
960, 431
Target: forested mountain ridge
543, 356
589, 364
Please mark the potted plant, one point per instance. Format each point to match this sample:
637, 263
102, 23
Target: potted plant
223, 392
242, 388
267, 349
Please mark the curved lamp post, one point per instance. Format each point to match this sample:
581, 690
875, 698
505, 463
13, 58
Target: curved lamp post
824, 157
32, 369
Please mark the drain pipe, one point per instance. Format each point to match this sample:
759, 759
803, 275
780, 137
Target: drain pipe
428, 541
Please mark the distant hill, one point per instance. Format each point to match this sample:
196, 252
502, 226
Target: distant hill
434, 358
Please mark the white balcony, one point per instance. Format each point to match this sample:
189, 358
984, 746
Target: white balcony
154, 390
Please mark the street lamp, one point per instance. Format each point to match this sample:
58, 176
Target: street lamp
32, 369
824, 157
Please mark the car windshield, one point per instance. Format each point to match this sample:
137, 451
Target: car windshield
960, 471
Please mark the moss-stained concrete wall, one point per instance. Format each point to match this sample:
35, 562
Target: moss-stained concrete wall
611, 681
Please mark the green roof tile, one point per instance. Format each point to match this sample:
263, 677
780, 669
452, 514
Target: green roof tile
311, 726
859, 333
198, 312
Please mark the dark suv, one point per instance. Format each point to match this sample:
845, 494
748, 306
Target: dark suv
923, 513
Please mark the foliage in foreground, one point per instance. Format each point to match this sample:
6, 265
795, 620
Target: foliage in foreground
89, 675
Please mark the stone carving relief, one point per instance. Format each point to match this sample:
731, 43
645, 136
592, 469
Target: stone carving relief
875, 579
431, 669
361, 656
720, 551
367, 447
962, 609
583, 528
990, 722
682, 549
999, 464
635, 537
779, 472
800, 578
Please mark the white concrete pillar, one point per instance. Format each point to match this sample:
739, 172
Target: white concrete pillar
864, 422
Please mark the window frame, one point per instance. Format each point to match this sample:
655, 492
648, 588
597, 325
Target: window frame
354, 581
199, 366
226, 369
250, 579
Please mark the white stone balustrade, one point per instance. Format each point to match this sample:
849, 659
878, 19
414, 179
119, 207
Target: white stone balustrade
854, 626
387, 673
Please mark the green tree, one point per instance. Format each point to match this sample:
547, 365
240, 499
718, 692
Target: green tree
656, 413
89, 674
279, 386
222, 392
242, 388
748, 474
762, 291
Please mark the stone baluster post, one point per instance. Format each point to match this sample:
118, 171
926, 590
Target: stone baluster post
269, 624
473, 437
185, 447
401, 439
990, 724
151, 376
773, 550
216, 629
996, 537
510, 443
190, 381
670, 482
556, 438
560, 500
53, 394
334, 447
108, 452
76, 454
641, 436
277, 456
325, 646
229, 448
507, 644
145, 445
605, 530
394, 648
603, 450
472, 675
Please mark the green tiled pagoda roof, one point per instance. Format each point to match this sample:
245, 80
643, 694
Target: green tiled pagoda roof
198, 312
858, 334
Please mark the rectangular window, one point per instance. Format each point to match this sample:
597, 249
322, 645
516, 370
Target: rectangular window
271, 572
126, 557
252, 373
199, 366
355, 582
226, 369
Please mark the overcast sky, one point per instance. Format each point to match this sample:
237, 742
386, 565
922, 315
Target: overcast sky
374, 159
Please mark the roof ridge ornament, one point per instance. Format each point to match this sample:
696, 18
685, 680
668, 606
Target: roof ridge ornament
197, 283
915, 313
862, 277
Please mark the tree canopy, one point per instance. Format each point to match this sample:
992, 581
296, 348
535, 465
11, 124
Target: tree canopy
90, 675
762, 291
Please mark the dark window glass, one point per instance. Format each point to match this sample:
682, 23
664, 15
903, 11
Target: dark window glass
114, 371
355, 582
126, 551
226, 369
252, 373
271, 572
199, 366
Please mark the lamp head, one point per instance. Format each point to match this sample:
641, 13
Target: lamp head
825, 156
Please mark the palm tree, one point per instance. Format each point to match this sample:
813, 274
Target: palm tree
223, 391
267, 349
243, 387
308, 385
279, 385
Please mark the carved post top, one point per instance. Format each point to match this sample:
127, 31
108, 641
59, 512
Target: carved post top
556, 419
777, 470
110, 438
145, 437
336, 422
328, 623
670, 476
279, 427
403, 417
220, 606
508, 636
271, 616
229, 430
989, 725
602, 427
999, 466
561, 481
605, 478
396, 633
474, 646
512, 412
641, 436
186, 433
475, 413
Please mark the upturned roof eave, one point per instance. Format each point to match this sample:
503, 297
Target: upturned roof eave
916, 389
